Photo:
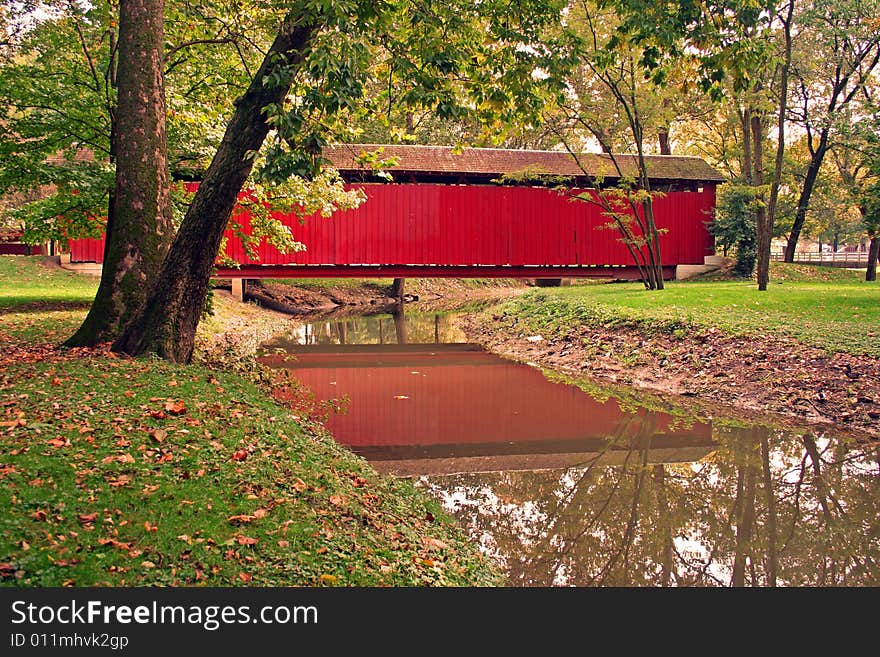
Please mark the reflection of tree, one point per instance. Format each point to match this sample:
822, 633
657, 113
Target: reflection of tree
396, 327
761, 510
400, 324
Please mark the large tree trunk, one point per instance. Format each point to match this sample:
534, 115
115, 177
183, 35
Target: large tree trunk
873, 251
166, 324
803, 205
139, 218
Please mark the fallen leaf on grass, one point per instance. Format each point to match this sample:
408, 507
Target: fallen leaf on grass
246, 540
112, 542
240, 455
329, 579
175, 408
434, 543
337, 500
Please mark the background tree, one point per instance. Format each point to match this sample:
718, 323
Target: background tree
857, 162
734, 226
611, 101
838, 52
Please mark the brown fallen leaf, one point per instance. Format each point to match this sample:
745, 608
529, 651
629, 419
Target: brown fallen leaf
175, 407
246, 540
158, 435
112, 542
434, 543
337, 500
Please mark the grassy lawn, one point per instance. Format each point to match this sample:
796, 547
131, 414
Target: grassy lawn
831, 309
120, 471
25, 282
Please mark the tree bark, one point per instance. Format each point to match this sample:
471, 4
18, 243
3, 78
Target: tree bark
167, 322
139, 217
873, 251
663, 139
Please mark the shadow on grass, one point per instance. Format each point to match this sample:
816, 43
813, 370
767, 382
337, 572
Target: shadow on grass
22, 305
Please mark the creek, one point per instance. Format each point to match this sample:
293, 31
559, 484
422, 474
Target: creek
567, 483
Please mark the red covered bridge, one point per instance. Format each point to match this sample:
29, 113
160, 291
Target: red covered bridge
445, 217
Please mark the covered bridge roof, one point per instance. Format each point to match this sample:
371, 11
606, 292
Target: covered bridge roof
442, 163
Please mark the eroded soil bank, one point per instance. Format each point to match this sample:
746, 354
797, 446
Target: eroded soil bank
366, 296
752, 375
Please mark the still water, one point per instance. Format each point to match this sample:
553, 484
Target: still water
570, 485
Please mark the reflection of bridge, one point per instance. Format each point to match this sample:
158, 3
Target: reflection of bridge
447, 218
443, 408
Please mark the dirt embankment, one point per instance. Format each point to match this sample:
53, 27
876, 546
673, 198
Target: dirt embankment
755, 376
366, 296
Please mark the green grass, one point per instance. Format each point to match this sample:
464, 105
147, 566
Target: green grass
833, 310
27, 282
120, 471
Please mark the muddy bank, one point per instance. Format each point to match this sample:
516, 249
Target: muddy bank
755, 376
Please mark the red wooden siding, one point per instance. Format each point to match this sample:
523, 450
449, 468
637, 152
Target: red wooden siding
467, 225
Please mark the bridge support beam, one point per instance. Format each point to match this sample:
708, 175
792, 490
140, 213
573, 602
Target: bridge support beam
614, 272
239, 285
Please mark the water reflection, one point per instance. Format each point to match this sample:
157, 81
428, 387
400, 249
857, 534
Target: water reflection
760, 510
386, 328
566, 488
